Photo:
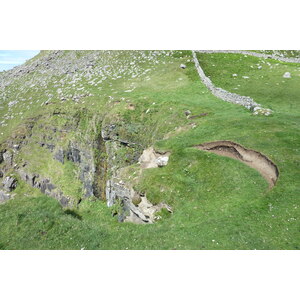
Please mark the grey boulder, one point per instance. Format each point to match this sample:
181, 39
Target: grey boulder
9, 183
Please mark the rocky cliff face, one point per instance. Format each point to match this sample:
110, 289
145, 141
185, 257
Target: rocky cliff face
97, 164
64, 132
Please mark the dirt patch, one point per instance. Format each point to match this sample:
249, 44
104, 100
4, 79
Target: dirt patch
153, 159
131, 106
251, 158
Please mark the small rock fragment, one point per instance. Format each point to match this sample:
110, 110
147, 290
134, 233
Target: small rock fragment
187, 112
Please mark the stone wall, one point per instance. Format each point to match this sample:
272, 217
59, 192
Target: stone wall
261, 55
247, 102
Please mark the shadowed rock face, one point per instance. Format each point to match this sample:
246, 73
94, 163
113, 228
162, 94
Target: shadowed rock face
45, 186
73, 155
251, 158
9, 183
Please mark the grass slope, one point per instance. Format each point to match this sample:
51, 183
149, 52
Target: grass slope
218, 203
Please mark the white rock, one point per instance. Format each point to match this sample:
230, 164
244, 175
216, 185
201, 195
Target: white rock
162, 161
287, 75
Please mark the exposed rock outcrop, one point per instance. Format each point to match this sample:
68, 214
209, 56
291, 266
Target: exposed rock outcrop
45, 186
83, 156
81, 144
132, 207
9, 183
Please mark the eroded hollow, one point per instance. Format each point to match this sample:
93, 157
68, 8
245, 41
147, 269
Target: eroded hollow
251, 158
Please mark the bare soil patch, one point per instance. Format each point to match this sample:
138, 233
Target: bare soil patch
251, 158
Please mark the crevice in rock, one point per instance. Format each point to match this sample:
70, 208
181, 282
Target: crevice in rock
251, 158
100, 176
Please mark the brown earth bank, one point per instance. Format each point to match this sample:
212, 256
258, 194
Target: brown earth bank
251, 158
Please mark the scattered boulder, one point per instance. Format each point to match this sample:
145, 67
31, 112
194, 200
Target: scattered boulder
162, 161
287, 75
182, 66
187, 112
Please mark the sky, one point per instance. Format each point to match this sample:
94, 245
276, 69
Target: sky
12, 58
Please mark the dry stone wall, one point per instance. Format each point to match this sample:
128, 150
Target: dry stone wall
245, 101
261, 55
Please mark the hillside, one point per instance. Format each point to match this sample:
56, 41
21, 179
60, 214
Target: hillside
135, 150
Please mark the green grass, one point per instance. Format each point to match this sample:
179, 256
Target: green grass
218, 202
